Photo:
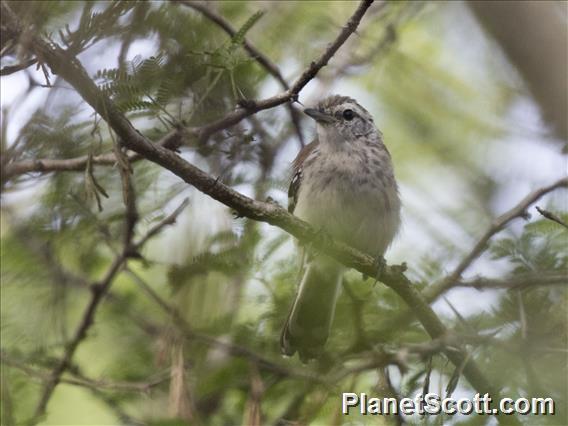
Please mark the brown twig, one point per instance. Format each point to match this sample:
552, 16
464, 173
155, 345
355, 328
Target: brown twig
551, 216
82, 381
516, 281
11, 69
520, 210
128, 195
291, 94
47, 165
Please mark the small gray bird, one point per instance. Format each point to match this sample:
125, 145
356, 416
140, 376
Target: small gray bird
344, 184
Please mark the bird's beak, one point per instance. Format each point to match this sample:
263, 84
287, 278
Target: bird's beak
320, 117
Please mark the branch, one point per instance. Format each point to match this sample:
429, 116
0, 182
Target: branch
517, 282
291, 94
11, 69
551, 216
80, 380
46, 165
128, 195
520, 210
254, 53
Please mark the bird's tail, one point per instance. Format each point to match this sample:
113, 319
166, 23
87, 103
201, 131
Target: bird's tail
309, 321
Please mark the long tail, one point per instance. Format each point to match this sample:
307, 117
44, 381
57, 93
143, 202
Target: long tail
309, 321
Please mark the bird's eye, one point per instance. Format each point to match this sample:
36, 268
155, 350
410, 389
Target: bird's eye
348, 114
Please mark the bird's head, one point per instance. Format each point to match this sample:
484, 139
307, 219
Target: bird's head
341, 119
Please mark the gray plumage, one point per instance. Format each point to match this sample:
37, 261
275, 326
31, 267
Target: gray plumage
344, 184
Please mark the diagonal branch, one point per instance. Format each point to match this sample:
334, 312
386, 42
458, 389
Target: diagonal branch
520, 210
292, 93
78, 379
46, 165
254, 53
516, 281
551, 216
11, 69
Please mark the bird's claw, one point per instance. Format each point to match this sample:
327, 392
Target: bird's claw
320, 238
271, 200
379, 265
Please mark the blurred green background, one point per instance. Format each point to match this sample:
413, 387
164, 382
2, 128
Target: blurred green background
467, 123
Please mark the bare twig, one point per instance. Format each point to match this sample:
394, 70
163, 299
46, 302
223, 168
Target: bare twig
520, 210
82, 381
128, 195
47, 165
516, 281
551, 216
167, 221
11, 69
292, 93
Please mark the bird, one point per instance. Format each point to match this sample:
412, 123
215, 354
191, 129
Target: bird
343, 184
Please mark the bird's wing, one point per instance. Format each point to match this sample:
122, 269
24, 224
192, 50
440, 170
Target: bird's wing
297, 169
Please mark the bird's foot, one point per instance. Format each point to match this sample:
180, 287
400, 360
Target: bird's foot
322, 237
379, 266
271, 200
319, 239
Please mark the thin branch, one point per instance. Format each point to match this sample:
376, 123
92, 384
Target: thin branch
11, 69
128, 195
291, 94
551, 216
79, 380
47, 165
520, 210
254, 53
167, 221
517, 282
